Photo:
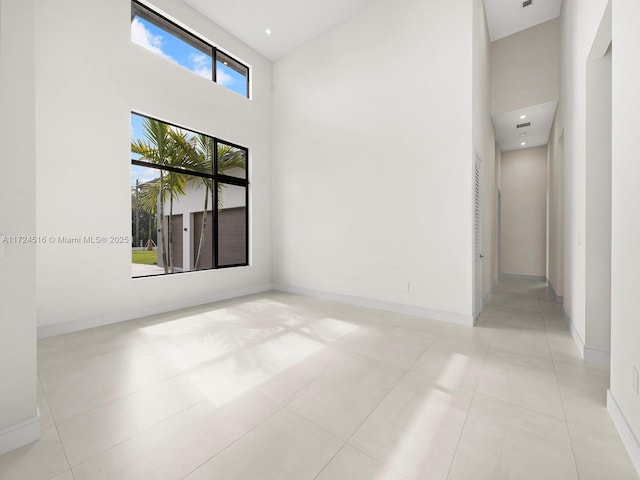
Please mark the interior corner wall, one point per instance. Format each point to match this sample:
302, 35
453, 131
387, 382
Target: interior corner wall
524, 192
89, 77
554, 209
579, 24
373, 158
525, 68
598, 208
495, 264
484, 141
625, 230
18, 401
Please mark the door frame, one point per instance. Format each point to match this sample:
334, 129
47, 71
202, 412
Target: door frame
477, 237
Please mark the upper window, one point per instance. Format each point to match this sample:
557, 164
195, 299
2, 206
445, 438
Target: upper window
165, 38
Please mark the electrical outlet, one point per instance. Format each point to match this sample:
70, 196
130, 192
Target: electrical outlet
636, 381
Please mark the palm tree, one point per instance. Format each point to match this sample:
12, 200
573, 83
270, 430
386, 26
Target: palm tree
148, 194
204, 148
228, 159
169, 146
163, 146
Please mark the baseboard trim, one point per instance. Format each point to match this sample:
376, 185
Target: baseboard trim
590, 354
450, 317
557, 298
629, 440
20, 434
45, 331
577, 338
517, 276
486, 297
595, 355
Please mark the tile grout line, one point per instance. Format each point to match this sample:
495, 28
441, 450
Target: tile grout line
473, 397
268, 417
564, 412
406, 372
64, 450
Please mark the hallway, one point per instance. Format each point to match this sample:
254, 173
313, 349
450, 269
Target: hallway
285, 386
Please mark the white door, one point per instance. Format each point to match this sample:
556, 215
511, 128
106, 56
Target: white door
477, 237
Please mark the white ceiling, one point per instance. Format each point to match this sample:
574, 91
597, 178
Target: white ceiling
506, 17
292, 22
295, 22
509, 137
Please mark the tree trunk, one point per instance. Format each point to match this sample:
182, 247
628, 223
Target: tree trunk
149, 240
170, 233
161, 222
204, 226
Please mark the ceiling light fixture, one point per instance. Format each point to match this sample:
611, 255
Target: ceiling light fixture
523, 143
268, 31
522, 117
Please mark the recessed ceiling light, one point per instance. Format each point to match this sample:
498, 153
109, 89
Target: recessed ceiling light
523, 143
522, 117
268, 31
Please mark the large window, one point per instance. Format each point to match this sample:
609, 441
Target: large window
189, 200
163, 37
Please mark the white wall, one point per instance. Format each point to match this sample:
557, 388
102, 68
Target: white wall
89, 77
525, 68
554, 212
484, 142
17, 218
498, 182
373, 155
625, 298
598, 207
580, 21
524, 192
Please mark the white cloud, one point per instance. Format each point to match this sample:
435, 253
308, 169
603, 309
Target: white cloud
223, 78
201, 64
144, 38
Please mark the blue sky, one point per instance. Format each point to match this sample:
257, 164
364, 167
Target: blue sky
173, 49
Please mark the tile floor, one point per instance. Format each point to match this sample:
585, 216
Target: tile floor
280, 386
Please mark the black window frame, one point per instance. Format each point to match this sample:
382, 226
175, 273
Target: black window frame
216, 179
150, 15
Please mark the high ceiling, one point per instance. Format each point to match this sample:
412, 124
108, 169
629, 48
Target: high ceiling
540, 118
291, 22
294, 22
506, 17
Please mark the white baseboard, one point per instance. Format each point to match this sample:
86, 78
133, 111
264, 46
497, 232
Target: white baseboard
588, 353
517, 276
45, 331
557, 298
595, 355
485, 300
457, 318
624, 430
19, 435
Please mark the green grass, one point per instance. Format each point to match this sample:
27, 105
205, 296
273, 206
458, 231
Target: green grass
144, 257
